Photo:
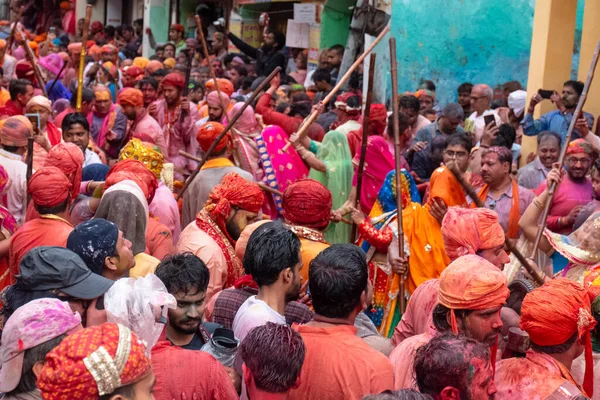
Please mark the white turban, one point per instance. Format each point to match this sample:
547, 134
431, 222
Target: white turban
516, 102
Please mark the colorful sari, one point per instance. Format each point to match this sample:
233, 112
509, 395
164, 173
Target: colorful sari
280, 168
246, 129
385, 312
335, 153
8, 226
378, 162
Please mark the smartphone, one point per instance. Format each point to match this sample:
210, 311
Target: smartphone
545, 94
489, 119
35, 120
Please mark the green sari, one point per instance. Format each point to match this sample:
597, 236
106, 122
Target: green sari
335, 153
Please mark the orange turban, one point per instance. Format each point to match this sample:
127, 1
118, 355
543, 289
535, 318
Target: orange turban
133, 170
225, 86
94, 50
67, 157
15, 131
173, 79
153, 65
141, 62
169, 63
233, 191
471, 283
134, 71
49, 187
71, 371
307, 202
466, 230
208, 133
131, 96
74, 47
554, 312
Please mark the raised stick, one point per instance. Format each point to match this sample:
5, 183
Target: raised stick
397, 155
563, 152
32, 60
256, 92
11, 37
302, 130
58, 76
29, 161
84, 36
365, 127
212, 71
479, 203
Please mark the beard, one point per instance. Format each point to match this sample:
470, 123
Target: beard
233, 229
294, 293
183, 327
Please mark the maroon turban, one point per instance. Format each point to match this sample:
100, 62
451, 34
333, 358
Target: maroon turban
173, 79
307, 202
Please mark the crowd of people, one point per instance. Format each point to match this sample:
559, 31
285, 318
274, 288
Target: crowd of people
129, 271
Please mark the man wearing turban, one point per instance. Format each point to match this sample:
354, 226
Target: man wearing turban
377, 124
212, 172
177, 120
470, 296
50, 192
109, 124
232, 204
307, 209
557, 316
142, 125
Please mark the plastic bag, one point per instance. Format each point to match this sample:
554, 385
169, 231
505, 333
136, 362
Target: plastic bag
141, 305
222, 346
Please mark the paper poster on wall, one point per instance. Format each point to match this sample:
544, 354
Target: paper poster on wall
297, 34
314, 39
305, 13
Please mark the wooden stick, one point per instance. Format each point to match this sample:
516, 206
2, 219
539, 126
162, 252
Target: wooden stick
212, 71
58, 76
10, 38
398, 156
255, 94
84, 36
32, 60
563, 153
365, 127
29, 162
302, 130
479, 203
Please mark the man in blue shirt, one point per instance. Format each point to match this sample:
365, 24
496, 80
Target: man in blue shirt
557, 120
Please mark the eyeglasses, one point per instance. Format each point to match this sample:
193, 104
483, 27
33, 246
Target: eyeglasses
575, 161
456, 154
475, 98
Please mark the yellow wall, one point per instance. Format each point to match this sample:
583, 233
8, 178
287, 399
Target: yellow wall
551, 54
589, 38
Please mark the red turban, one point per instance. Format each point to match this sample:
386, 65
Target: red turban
96, 26
178, 27
233, 191
579, 146
134, 71
24, 70
131, 96
153, 65
208, 133
49, 187
133, 170
70, 371
173, 79
556, 311
67, 157
307, 202
378, 112
466, 230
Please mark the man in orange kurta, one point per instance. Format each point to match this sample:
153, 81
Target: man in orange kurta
50, 192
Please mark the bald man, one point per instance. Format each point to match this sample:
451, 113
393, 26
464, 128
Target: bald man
481, 98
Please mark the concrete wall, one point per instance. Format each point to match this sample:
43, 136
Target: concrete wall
451, 42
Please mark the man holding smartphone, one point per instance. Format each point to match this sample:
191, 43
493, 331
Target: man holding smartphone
559, 119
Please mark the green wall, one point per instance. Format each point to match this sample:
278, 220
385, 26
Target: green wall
335, 22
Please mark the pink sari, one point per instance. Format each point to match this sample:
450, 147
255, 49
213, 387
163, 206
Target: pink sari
281, 169
378, 162
246, 130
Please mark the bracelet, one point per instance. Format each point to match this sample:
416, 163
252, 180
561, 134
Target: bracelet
87, 187
313, 147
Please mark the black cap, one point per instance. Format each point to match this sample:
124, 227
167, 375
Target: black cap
50, 268
93, 241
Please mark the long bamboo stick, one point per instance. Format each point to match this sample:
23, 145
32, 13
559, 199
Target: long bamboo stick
86, 26
255, 94
563, 153
365, 127
398, 156
302, 130
32, 60
470, 191
57, 78
11, 37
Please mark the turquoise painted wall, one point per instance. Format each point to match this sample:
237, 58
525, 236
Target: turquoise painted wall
451, 42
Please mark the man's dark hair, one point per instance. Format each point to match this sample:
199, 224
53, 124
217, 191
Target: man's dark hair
446, 361
274, 354
465, 87
139, 21
337, 48
126, 27
354, 101
556, 349
301, 105
247, 83
279, 39
161, 72
183, 273
17, 87
240, 70
60, 208
127, 392
109, 31
506, 136
321, 75
169, 44
546, 134
402, 123
282, 107
403, 394
576, 85
437, 143
87, 96
271, 248
149, 81
427, 84
460, 139
32, 356
440, 316
410, 102
73, 119
337, 278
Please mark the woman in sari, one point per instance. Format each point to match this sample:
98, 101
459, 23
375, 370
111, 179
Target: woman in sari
8, 226
332, 166
280, 168
246, 129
